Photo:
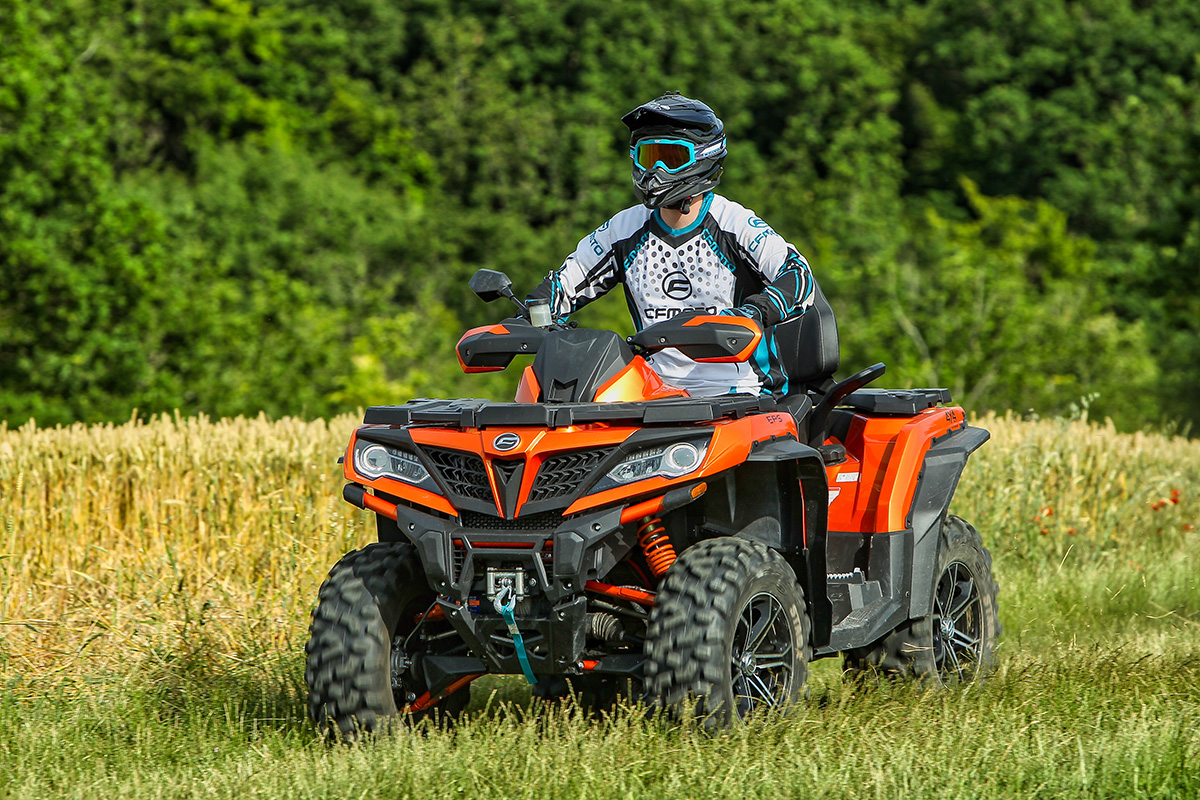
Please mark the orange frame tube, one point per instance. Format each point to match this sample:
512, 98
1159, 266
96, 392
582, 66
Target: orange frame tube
426, 700
621, 592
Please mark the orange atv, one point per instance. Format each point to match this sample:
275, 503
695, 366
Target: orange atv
608, 531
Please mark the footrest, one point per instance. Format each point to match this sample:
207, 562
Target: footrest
867, 624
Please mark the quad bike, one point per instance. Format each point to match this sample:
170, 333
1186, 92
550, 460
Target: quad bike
608, 532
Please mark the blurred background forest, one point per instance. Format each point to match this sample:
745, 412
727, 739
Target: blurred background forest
226, 207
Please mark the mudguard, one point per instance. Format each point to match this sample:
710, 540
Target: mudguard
804, 543
940, 472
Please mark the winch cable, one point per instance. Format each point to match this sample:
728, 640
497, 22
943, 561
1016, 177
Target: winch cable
505, 610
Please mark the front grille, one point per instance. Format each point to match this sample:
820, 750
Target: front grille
562, 475
462, 473
460, 557
546, 521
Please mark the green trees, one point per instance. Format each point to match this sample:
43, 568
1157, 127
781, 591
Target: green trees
1092, 107
82, 264
1007, 309
228, 206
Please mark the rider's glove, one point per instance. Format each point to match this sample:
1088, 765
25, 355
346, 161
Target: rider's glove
746, 310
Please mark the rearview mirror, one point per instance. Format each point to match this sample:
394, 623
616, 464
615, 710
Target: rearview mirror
490, 285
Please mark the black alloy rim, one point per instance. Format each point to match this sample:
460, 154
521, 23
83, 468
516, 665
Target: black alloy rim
957, 623
763, 658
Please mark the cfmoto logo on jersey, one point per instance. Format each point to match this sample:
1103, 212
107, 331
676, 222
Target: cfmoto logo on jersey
677, 286
655, 313
506, 441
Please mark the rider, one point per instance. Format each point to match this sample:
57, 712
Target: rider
687, 249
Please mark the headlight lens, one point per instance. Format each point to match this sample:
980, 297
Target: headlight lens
376, 461
667, 461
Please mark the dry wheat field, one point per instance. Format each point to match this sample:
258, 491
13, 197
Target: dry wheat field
156, 579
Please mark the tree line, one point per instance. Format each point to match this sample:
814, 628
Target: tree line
226, 206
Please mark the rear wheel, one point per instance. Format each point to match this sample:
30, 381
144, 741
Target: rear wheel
956, 641
362, 647
729, 632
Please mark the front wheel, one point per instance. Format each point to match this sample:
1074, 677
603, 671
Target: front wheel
956, 641
729, 632
363, 642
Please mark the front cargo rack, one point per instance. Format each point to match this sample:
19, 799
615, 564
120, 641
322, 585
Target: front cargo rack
483, 413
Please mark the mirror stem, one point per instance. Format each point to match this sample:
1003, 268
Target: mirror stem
507, 292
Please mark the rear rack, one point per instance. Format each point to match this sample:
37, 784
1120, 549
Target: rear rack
896, 401
476, 413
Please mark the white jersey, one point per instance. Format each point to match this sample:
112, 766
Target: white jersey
729, 261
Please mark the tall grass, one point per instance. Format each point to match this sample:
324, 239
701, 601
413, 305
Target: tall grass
129, 544
156, 577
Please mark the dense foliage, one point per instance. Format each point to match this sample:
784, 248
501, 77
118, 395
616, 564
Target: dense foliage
228, 206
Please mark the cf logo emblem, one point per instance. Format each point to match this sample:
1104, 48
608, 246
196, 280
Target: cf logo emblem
506, 441
677, 286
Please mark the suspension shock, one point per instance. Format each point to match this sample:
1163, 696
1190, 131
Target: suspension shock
656, 545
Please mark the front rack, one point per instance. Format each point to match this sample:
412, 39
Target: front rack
476, 413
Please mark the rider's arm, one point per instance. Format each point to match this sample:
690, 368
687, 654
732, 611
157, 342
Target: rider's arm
587, 274
789, 279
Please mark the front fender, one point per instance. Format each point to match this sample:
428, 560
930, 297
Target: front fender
788, 465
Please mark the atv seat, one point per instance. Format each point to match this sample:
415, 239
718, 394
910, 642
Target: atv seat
809, 355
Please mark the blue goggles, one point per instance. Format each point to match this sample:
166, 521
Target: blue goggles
673, 155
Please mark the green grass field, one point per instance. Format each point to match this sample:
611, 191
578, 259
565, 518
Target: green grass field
155, 583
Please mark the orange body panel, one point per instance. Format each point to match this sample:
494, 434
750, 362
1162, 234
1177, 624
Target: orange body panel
872, 491
731, 443
474, 331
528, 390
743, 322
638, 381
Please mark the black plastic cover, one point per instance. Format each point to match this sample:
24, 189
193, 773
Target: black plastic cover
896, 401
476, 413
710, 339
488, 349
572, 364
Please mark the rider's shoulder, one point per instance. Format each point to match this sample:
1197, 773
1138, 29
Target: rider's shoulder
625, 222
731, 214
736, 217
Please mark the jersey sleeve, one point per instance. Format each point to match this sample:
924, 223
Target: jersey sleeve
788, 278
585, 275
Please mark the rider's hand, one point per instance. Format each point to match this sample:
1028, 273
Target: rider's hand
747, 311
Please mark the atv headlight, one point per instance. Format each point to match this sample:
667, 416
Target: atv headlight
665, 461
377, 461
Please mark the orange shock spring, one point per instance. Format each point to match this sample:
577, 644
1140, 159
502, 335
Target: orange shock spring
660, 553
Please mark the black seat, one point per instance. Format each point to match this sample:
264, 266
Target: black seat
808, 347
809, 354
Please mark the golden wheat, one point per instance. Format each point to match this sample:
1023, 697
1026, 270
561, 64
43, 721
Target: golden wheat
129, 545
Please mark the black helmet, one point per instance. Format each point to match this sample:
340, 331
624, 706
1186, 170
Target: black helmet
677, 145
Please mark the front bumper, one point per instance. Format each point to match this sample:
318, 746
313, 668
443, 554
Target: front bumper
558, 563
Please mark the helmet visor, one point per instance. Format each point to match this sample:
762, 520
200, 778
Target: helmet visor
672, 155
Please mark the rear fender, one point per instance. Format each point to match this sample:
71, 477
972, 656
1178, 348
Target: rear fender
940, 472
